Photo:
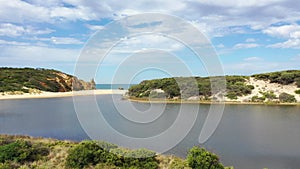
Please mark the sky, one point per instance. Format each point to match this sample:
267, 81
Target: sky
248, 37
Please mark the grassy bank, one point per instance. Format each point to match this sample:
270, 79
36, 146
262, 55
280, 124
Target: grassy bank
26, 152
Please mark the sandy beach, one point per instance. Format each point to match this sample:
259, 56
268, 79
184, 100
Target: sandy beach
59, 94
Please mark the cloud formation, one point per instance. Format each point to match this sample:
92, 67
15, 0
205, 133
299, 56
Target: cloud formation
234, 26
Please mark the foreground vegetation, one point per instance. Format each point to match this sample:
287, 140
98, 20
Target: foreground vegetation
27, 80
26, 152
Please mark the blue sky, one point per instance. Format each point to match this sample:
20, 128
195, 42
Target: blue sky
249, 36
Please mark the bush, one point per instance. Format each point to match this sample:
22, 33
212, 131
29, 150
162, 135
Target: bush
283, 77
297, 80
5, 166
269, 95
89, 153
231, 95
199, 158
140, 158
21, 152
178, 163
287, 98
258, 99
297, 91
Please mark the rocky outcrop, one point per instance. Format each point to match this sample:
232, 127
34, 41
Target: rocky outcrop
78, 84
68, 83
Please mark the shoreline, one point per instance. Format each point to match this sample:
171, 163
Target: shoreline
139, 100
61, 94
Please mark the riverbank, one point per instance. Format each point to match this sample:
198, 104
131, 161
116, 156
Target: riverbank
169, 101
42, 94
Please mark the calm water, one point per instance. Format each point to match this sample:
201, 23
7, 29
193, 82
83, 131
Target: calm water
248, 137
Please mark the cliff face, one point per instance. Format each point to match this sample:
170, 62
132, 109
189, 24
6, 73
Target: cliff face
21, 79
82, 85
68, 83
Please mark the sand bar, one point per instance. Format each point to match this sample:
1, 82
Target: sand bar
60, 94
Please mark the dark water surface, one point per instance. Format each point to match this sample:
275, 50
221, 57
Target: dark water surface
248, 137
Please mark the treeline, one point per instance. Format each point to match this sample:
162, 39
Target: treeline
185, 87
26, 152
283, 77
24, 79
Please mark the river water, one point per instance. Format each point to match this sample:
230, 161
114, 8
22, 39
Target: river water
248, 136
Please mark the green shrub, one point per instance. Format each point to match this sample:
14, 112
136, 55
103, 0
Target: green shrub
178, 163
297, 91
5, 166
89, 153
140, 158
199, 158
230, 167
258, 99
231, 95
297, 80
283, 77
105, 166
22, 151
269, 95
287, 98
251, 87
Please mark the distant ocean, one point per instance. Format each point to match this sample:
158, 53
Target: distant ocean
113, 86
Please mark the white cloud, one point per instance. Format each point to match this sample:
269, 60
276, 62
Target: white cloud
245, 45
140, 43
249, 40
7, 29
63, 40
35, 55
17, 11
285, 31
216, 18
94, 27
220, 46
291, 43
58, 40
4, 42
253, 59
79, 13
289, 32
246, 67
240, 3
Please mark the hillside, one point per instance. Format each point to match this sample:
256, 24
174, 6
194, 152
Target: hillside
30, 79
274, 87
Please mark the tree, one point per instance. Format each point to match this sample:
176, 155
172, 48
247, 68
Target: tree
287, 78
89, 153
287, 98
199, 158
297, 80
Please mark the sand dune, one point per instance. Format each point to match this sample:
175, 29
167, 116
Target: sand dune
265, 86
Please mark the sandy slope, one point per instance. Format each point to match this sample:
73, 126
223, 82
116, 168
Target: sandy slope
264, 86
60, 94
